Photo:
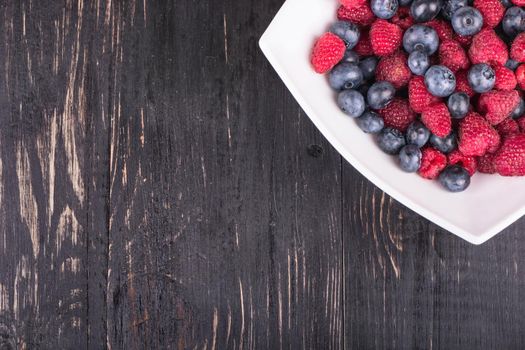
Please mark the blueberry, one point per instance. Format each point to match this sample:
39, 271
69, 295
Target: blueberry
420, 37
418, 62
404, 2
380, 94
445, 144
347, 31
440, 81
450, 6
370, 122
481, 78
351, 57
519, 111
417, 134
425, 10
390, 140
455, 178
363, 89
511, 64
345, 76
410, 158
506, 3
467, 21
351, 102
513, 22
368, 67
384, 9
458, 104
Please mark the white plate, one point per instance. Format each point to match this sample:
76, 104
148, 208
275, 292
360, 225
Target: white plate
490, 204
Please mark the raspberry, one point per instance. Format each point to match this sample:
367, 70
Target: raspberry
328, 51
442, 28
498, 105
520, 76
505, 78
394, 69
402, 18
359, 15
477, 136
418, 95
518, 2
468, 162
398, 114
510, 158
462, 83
491, 10
507, 127
463, 40
437, 119
517, 50
521, 123
364, 47
487, 47
452, 55
385, 37
486, 164
432, 163
351, 4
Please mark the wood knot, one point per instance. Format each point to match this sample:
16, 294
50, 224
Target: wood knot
315, 151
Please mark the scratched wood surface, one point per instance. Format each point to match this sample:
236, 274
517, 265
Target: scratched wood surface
160, 189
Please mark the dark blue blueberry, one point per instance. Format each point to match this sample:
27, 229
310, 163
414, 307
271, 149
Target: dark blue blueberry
513, 22
519, 111
390, 140
368, 67
425, 10
440, 81
380, 94
418, 62
363, 89
351, 57
347, 31
450, 6
511, 64
417, 134
384, 9
455, 178
405, 2
351, 102
370, 122
410, 158
345, 76
481, 78
458, 104
445, 144
506, 3
467, 21
420, 37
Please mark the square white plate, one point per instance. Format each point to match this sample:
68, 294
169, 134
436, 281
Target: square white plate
489, 205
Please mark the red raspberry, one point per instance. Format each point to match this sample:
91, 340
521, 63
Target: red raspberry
394, 69
468, 162
507, 127
442, 28
487, 47
477, 136
437, 119
498, 105
432, 163
505, 78
385, 37
359, 15
464, 41
520, 76
328, 51
398, 114
462, 83
517, 50
518, 2
452, 55
486, 164
351, 4
510, 158
521, 123
364, 47
402, 18
491, 10
418, 95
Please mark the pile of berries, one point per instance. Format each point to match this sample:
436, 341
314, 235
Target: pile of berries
439, 82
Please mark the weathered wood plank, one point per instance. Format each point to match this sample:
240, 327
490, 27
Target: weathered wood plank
412, 285
224, 230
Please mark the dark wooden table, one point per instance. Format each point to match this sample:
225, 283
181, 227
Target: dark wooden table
161, 189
